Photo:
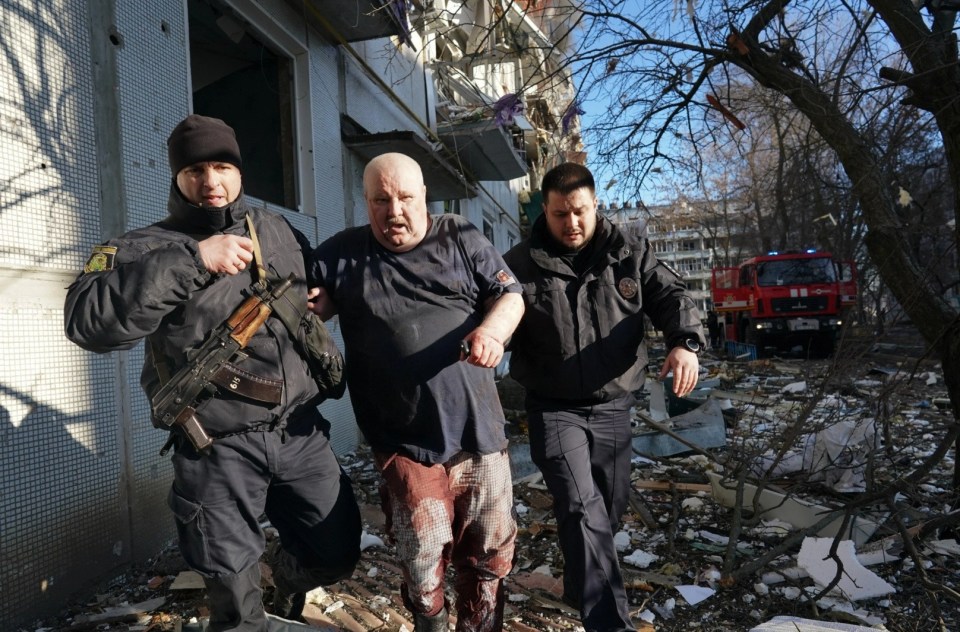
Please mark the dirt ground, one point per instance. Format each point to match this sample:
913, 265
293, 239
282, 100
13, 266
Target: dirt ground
677, 533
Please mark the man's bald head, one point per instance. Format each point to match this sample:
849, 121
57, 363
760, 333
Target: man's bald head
396, 201
393, 162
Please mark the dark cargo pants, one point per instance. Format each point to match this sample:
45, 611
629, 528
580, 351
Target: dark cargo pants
218, 500
584, 453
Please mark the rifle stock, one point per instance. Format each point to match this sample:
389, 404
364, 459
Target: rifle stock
173, 405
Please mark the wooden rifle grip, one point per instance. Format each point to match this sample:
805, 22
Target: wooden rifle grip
252, 313
241, 313
251, 324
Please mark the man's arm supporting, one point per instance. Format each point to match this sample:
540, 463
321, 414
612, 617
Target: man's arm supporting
320, 303
487, 341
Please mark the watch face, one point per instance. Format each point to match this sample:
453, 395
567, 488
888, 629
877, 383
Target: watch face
692, 344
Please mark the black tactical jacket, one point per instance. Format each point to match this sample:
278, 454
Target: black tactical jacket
157, 287
582, 337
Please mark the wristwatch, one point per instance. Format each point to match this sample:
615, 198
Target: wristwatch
691, 344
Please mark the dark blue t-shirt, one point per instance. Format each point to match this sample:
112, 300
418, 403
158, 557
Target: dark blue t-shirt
403, 316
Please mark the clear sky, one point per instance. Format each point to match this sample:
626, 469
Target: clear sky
610, 186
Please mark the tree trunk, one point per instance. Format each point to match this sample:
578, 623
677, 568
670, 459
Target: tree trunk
936, 320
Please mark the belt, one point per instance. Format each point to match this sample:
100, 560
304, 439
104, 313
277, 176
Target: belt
236, 380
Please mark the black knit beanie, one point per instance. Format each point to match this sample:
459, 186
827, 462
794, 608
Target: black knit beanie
202, 139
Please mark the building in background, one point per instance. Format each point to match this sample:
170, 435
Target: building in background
687, 238
506, 104
475, 91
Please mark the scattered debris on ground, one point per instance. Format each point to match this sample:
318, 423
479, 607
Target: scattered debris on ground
725, 532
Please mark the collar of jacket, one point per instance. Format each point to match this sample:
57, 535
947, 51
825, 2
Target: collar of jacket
197, 220
610, 247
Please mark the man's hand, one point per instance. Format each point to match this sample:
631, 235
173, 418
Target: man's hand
686, 370
226, 254
485, 350
319, 302
486, 341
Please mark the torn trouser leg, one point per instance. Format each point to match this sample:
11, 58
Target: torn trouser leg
459, 512
484, 534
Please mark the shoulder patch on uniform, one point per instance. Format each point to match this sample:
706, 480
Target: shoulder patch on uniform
627, 287
101, 260
504, 278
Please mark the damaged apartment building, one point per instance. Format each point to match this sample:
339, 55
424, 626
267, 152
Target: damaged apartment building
475, 91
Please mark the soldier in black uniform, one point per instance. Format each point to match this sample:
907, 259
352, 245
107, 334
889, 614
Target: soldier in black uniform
173, 283
580, 353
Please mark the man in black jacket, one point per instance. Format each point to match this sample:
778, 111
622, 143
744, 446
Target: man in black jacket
580, 353
173, 283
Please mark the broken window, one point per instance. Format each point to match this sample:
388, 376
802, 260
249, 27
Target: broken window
241, 77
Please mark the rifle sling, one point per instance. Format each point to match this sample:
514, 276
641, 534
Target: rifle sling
261, 271
235, 380
287, 312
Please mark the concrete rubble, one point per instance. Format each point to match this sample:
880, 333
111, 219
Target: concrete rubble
796, 624
790, 454
841, 569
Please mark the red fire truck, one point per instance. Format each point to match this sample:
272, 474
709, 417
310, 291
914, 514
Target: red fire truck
785, 299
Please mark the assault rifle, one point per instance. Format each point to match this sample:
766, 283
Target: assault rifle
173, 404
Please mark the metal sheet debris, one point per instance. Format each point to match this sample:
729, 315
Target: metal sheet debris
703, 427
795, 511
796, 624
855, 581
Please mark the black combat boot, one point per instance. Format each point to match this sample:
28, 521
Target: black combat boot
285, 602
289, 605
435, 623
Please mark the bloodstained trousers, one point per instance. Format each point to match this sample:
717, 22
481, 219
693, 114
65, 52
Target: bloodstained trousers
584, 453
218, 499
460, 513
